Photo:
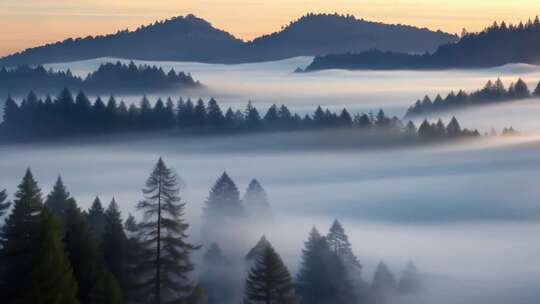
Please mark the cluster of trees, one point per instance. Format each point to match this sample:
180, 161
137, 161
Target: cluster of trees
53, 252
35, 118
109, 77
493, 91
496, 45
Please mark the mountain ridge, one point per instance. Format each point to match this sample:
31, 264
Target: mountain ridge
190, 38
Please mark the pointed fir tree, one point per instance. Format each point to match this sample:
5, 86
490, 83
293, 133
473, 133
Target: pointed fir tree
217, 276
57, 201
453, 129
96, 218
4, 205
114, 243
224, 199
135, 253
383, 286
258, 249
163, 229
18, 239
85, 258
322, 278
410, 279
51, 277
255, 200
339, 244
269, 281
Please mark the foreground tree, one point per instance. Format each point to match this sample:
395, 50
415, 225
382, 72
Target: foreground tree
52, 279
96, 218
269, 281
58, 200
4, 206
18, 240
114, 243
164, 230
217, 277
322, 278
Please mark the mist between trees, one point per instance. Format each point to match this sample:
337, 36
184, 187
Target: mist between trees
53, 252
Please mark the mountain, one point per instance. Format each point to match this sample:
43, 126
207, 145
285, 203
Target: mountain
180, 38
495, 46
191, 38
320, 34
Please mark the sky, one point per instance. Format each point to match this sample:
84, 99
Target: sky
27, 23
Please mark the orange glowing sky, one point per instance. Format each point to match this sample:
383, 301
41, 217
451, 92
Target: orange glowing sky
27, 23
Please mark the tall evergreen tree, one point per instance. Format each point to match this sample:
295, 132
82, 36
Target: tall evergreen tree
410, 279
51, 277
96, 218
322, 277
57, 201
164, 229
258, 249
339, 243
4, 206
114, 243
217, 276
85, 258
224, 199
383, 286
215, 115
18, 240
269, 281
255, 199
253, 118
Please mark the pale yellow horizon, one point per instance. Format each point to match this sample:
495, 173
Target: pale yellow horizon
29, 23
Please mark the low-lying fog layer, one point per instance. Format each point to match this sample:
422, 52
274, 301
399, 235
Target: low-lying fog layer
467, 214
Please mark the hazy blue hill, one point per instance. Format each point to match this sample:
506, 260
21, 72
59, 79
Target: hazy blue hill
319, 34
494, 46
193, 39
179, 38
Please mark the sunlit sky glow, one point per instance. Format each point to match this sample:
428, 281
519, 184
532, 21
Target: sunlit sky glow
27, 23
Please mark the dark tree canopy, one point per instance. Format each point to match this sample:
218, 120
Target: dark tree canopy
269, 281
4, 205
224, 199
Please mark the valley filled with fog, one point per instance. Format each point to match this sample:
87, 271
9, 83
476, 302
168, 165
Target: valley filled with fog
466, 213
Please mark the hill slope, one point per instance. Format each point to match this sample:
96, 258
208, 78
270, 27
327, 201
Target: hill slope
320, 34
495, 46
190, 38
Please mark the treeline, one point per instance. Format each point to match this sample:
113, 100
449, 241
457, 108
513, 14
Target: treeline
109, 77
65, 116
492, 92
496, 45
53, 252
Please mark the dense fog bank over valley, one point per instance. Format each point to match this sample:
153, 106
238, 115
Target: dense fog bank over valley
467, 212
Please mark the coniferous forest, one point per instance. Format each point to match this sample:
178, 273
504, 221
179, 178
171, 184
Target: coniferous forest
108, 78
496, 45
492, 92
52, 251
68, 116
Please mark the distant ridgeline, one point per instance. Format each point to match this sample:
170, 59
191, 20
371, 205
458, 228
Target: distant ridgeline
491, 93
67, 116
109, 77
496, 45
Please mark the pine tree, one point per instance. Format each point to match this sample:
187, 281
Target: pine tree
114, 243
134, 255
96, 218
269, 281
322, 278
453, 129
58, 200
255, 200
51, 277
383, 285
4, 206
224, 199
410, 280
215, 115
85, 258
217, 276
339, 243
253, 118
18, 239
258, 249
164, 230
537, 90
